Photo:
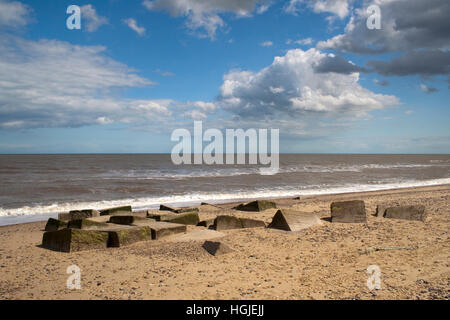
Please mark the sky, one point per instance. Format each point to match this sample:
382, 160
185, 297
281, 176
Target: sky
137, 70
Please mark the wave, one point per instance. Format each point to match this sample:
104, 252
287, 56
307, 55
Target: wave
182, 174
42, 212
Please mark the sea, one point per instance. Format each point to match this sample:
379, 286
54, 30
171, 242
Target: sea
36, 187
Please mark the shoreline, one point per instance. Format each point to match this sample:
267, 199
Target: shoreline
322, 262
15, 220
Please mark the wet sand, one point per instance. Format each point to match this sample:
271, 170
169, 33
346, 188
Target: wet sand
324, 262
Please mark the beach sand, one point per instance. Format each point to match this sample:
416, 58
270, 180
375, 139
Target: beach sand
323, 262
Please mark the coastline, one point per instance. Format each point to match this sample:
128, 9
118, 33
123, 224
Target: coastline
39, 217
323, 262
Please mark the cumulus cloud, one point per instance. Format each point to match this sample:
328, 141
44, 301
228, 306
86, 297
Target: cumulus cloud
405, 25
91, 20
13, 14
332, 63
340, 8
204, 15
291, 86
133, 25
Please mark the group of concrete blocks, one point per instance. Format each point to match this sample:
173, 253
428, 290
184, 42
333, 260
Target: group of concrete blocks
355, 212
115, 227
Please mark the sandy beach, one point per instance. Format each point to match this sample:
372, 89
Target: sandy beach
323, 262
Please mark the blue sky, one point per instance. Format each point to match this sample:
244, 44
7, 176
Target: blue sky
137, 70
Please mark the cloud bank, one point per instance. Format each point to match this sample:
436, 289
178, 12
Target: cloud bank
51, 83
292, 85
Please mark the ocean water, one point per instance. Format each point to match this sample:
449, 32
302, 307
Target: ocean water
35, 187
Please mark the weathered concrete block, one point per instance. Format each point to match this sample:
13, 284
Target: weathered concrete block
116, 210
227, 223
206, 223
348, 212
230, 222
407, 213
78, 214
126, 220
86, 224
157, 216
163, 229
163, 207
64, 216
251, 223
259, 205
290, 220
55, 224
184, 210
125, 236
188, 218
208, 204
216, 248
71, 240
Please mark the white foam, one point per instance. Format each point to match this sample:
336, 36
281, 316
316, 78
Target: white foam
182, 174
43, 212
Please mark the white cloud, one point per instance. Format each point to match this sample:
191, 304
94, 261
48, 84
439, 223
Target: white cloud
13, 14
91, 19
196, 115
132, 23
208, 107
262, 8
104, 120
50, 83
266, 44
340, 8
204, 14
303, 42
291, 86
